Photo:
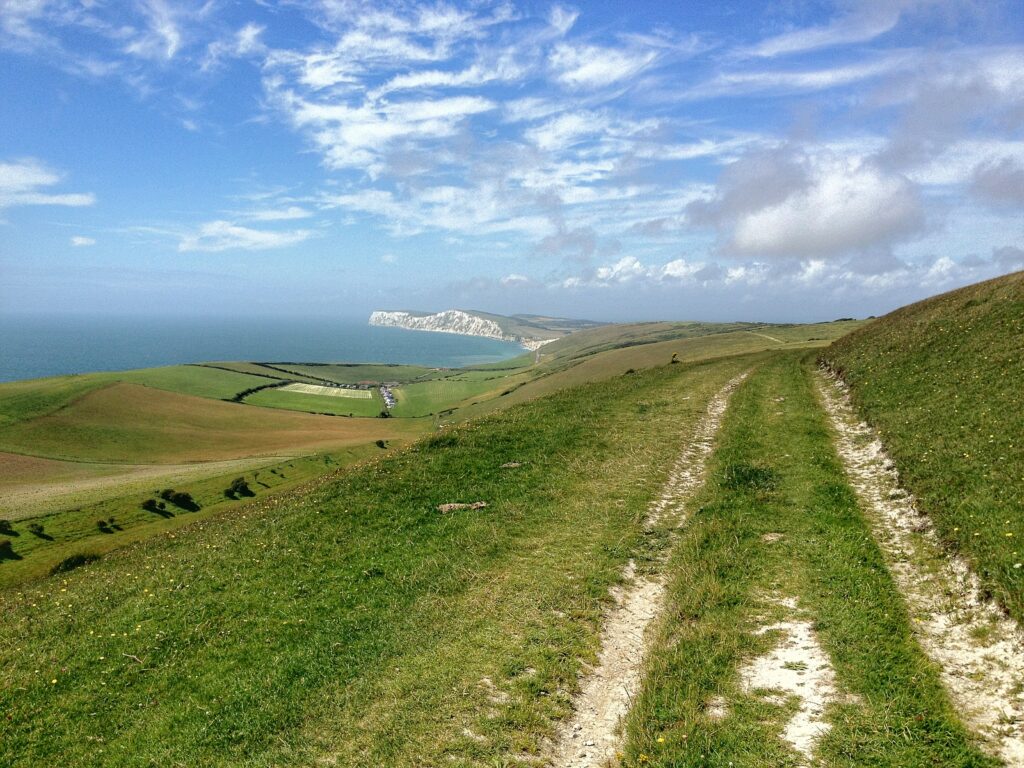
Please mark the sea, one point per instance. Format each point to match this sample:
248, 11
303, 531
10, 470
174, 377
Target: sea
32, 347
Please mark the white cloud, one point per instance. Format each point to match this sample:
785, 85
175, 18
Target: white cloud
866, 21
356, 136
162, 39
562, 19
289, 213
214, 236
22, 182
79, 241
847, 207
565, 130
591, 66
760, 81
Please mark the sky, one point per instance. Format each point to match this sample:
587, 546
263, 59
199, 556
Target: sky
790, 161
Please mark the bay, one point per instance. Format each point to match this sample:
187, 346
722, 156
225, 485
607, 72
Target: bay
33, 347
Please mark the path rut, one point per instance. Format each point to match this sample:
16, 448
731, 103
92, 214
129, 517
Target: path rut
591, 737
979, 649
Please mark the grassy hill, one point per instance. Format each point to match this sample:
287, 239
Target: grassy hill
355, 620
941, 380
341, 616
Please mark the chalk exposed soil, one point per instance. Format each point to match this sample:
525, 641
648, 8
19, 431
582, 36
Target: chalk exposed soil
796, 667
978, 648
590, 738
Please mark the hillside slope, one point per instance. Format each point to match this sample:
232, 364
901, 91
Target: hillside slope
941, 380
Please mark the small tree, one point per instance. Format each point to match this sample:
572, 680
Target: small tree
36, 529
6, 527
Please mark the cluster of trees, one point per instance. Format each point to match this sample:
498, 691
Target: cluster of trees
240, 396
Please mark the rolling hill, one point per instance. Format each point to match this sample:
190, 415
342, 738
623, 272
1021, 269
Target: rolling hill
681, 526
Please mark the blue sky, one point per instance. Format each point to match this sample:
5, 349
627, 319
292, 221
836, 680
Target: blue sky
787, 161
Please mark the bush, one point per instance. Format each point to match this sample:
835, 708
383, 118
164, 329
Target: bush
36, 529
381, 444
183, 500
150, 505
6, 549
6, 527
102, 525
74, 561
238, 487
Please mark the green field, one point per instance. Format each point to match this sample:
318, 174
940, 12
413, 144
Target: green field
300, 401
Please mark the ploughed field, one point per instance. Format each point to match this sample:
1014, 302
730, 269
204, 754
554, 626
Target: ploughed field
679, 528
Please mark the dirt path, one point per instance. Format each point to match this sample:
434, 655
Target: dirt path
766, 336
979, 649
590, 738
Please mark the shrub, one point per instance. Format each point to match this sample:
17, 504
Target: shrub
183, 500
6, 549
381, 444
74, 561
6, 527
238, 487
36, 529
167, 493
150, 505
102, 525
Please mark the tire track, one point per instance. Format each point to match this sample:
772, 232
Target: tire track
979, 649
590, 738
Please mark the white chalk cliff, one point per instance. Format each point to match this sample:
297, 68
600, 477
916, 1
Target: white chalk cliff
452, 321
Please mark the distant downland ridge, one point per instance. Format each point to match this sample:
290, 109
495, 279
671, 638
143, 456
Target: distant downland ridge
524, 330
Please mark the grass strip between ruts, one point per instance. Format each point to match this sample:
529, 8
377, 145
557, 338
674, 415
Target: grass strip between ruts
777, 519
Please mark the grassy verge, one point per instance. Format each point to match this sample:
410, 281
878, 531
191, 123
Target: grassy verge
357, 623
777, 520
941, 381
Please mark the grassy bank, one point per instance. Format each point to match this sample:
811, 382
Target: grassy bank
941, 381
777, 536
357, 623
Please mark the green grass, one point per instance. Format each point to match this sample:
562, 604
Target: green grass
74, 530
24, 400
133, 424
941, 381
355, 623
353, 373
197, 380
435, 395
300, 401
775, 471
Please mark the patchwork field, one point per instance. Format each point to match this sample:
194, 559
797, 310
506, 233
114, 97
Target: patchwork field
313, 389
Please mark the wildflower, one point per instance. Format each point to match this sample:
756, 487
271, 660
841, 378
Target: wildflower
54, 681
661, 739
1018, 565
